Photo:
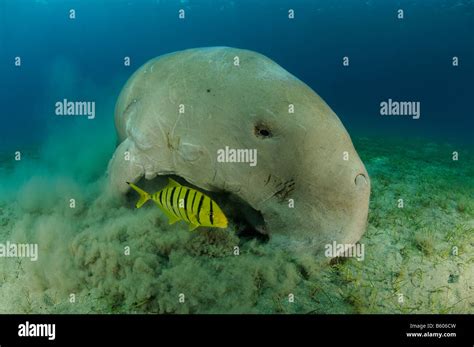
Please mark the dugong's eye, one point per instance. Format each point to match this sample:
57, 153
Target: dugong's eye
262, 131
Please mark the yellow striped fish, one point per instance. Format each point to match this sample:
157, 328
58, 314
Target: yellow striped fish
183, 203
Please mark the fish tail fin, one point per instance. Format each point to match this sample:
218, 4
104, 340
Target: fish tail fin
144, 196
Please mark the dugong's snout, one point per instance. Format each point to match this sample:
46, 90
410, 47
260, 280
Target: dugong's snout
328, 200
360, 206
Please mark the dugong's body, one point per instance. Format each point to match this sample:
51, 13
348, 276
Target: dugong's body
178, 111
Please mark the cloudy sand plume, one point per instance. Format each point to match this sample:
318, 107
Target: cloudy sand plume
83, 250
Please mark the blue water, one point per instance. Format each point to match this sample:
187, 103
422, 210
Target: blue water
82, 59
409, 250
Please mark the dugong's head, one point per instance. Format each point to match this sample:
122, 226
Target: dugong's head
232, 120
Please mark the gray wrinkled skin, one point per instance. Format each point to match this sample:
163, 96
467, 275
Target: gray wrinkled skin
227, 105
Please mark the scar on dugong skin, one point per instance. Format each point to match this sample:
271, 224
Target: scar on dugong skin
178, 110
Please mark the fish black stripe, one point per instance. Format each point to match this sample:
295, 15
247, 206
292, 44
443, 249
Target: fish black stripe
192, 203
160, 196
165, 199
168, 203
177, 203
211, 216
186, 204
199, 208
206, 206
171, 207
182, 196
172, 204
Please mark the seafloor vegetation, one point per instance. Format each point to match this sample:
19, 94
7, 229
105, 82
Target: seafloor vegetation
418, 259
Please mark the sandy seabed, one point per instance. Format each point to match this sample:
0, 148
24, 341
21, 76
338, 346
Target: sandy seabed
418, 259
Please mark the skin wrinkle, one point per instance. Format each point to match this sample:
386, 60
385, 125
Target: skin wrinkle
271, 193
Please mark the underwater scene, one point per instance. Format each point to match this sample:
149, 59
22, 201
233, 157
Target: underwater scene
215, 156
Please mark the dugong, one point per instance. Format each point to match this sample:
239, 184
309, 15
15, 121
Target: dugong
180, 112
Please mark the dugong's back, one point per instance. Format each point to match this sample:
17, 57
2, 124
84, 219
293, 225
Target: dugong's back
225, 77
